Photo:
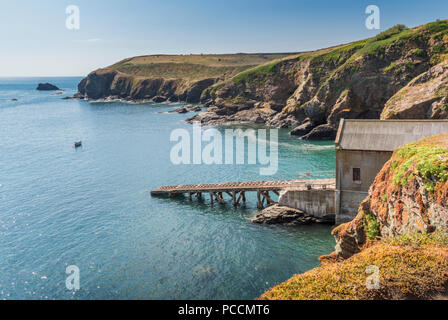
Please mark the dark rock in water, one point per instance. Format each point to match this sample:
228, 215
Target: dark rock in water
303, 129
159, 99
277, 214
193, 108
196, 109
14, 99
179, 110
46, 87
322, 132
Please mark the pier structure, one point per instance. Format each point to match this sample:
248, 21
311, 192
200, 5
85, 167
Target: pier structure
237, 190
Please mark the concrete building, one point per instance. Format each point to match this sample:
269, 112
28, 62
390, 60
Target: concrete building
362, 148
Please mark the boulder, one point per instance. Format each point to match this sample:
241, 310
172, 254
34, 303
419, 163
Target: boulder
322, 132
179, 110
277, 214
46, 87
159, 99
303, 129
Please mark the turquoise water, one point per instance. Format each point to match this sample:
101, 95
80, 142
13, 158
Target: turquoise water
91, 206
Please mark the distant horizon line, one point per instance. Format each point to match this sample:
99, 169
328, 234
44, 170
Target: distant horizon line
17, 77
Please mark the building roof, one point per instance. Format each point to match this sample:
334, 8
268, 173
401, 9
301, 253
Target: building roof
385, 135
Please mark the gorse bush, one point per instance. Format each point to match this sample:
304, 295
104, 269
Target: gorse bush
390, 32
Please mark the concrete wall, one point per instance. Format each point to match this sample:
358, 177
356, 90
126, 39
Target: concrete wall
349, 204
350, 193
318, 203
370, 163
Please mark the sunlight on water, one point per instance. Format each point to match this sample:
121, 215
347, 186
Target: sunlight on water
91, 207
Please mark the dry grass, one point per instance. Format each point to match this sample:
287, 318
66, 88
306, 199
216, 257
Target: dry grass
194, 66
411, 267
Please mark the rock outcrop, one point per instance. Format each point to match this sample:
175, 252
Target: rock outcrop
46, 87
276, 214
159, 78
108, 83
409, 195
425, 97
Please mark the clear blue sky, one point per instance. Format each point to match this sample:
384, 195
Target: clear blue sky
35, 42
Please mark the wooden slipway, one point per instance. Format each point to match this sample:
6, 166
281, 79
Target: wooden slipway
237, 190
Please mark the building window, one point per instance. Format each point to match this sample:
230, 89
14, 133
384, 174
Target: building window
357, 174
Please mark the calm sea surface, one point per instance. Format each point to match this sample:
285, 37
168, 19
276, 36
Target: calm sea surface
91, 207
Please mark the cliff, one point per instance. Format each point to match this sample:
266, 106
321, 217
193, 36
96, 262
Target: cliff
166, 77
382, 76
401, 227
425, 97
314, 90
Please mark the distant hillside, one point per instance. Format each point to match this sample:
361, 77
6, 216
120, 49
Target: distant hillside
168, 77
309, 91
193, 67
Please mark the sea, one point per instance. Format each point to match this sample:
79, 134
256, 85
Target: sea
87, 212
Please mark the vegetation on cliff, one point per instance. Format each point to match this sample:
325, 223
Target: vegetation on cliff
414, 266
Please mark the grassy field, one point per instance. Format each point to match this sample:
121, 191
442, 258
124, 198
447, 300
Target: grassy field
194, 66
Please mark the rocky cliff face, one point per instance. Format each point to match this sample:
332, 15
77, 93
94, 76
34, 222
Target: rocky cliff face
409, 195
315, 90
425, 97
112, 84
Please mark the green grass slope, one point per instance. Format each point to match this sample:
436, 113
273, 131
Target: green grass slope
193, 67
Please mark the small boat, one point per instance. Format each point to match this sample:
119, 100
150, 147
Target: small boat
78, 144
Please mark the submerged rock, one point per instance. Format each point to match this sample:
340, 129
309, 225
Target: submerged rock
277, 214
46, 87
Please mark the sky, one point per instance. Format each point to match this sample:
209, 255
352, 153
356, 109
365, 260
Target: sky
35, 41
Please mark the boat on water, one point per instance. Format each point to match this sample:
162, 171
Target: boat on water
78, 144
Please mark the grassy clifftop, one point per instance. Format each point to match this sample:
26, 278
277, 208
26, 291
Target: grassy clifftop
194, 66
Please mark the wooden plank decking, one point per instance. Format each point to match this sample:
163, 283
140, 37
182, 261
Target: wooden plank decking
237, 189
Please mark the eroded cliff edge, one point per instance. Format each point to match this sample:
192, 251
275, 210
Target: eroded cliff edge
401, 228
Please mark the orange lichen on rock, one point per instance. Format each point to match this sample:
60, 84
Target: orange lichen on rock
408, 195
